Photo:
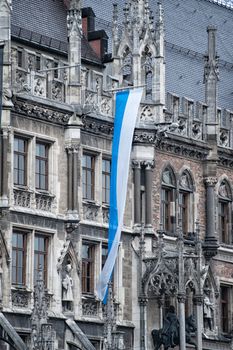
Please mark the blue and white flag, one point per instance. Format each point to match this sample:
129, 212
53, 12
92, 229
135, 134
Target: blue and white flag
127, 104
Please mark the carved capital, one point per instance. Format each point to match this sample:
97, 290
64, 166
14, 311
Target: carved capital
72, 148
148, 164
210, 181
136, 164
142, 300
181, 298
198, 299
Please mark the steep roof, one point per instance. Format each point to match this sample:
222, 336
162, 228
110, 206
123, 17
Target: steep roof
43, 22
186, 37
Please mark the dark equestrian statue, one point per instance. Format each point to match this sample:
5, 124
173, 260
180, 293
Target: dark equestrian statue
168, 336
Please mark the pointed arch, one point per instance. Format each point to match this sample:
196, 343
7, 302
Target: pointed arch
224, 192
127, 66
168, 188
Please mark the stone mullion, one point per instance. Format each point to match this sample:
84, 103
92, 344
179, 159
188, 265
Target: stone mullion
4, 179
75, 180
198, 302
148, 187
211, 241
137, 192
181, 305
70, 194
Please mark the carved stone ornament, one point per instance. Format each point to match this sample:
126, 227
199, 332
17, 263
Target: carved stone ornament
90, 212
44, 201
74, 20
39, 88
90, 308
148, 164
20, 298
146, 114
182, 128
57, 91
210, 181
161, 275
72, 147
39, 112
96, 126
196, 131
224, 138
223, 191
186, 151
144, 137
106, 106
22, 198
105, 212
68, 250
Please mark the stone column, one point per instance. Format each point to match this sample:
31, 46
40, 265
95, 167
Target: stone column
137, 192
181, 303
72, 193
143, 328
4, 169
211, 242
198, 302
148, 185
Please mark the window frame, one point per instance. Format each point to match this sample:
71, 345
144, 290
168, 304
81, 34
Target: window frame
224, 217
44, 253
85, 171
88, 278
105, 190
225, 322
24, 154
24, 258
41, 159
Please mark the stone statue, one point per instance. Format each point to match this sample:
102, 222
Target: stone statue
67, 284
208, 309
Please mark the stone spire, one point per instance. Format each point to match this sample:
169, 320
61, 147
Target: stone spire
74, 28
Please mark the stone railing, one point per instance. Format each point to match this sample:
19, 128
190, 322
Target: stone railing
22, 198
20, 298
44, 201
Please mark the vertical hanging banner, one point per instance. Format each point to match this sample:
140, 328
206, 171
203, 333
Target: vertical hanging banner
127, 104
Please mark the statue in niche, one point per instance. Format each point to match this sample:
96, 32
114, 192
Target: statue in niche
208, 309
67, 288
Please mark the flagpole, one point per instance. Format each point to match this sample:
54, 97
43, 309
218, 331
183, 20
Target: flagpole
125, 88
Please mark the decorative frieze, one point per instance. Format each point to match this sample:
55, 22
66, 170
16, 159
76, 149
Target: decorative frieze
44, 201
90, 211
90, 308
22, 198
97, 126
20, 298
105, 213
144, 137
39, 112
183, 150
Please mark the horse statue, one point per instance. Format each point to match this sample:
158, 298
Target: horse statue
168, 336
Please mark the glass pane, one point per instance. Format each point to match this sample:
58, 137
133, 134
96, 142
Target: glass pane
21, 177
84, 251
14, 239
42, 166
20, 240
89, 178
21, 162
16, 144
20, 275
20, 259
89, 162
84, 161
36, 243
13, 258
13, 275
42, 182
21, 147
88, 194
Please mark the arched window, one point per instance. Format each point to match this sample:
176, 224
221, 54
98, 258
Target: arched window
168, 201
224, 212
127, 67
186, 203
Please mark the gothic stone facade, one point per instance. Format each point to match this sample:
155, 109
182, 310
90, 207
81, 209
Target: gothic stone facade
57, 116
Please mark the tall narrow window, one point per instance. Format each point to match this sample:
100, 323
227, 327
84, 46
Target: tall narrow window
38, 63
224, 212
40, 257
20, 161
55, 72
225, 308
185, 203
106, 166
18, 258
41, 166
88, 176
88, 255
167, 201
